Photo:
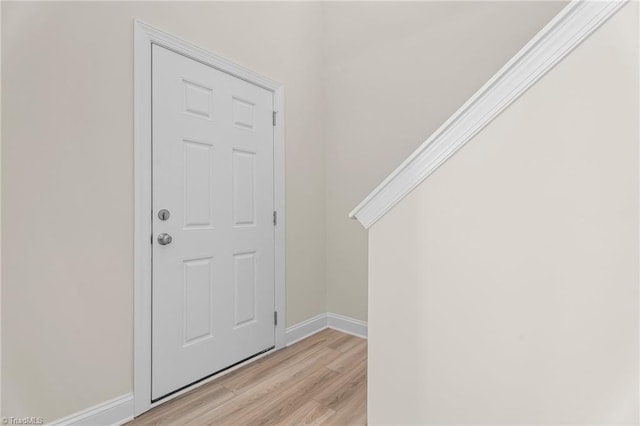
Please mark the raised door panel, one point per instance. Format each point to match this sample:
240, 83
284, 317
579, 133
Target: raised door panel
244, 203
198, 175
244, 283
198, 99
198, 300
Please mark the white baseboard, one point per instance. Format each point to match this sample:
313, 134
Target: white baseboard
305, 329
347, 325
318, 323
114, 412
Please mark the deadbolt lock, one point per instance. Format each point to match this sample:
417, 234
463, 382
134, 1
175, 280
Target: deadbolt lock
164, 214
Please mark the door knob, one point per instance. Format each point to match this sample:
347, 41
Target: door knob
164, 239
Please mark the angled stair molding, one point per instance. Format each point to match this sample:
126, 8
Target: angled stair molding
558, 38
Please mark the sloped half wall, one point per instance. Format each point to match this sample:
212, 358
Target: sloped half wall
504, 288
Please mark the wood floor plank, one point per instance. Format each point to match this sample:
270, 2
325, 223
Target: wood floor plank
281, 405
187, 406
349, 359
269, 388
332, 391
354, 413
338, 393
310, 413
345, 342
319, 380
241, 380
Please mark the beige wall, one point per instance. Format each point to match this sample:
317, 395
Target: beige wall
504, 289
67, 174
394, 73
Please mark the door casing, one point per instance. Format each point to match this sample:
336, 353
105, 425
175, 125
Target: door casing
144, 37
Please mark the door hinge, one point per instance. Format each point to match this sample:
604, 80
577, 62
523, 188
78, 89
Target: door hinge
274, 118
275, 318
275, 218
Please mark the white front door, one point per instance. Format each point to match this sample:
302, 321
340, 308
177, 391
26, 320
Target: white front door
213, 283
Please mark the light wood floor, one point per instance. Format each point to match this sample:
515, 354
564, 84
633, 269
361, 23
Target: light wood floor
319, 380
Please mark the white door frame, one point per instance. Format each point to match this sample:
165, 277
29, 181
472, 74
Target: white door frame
144, 37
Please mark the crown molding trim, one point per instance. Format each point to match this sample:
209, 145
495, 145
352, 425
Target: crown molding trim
556, 40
